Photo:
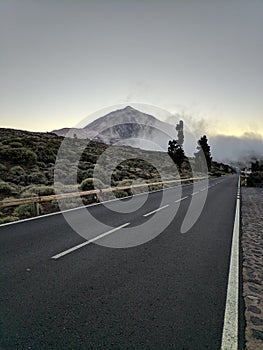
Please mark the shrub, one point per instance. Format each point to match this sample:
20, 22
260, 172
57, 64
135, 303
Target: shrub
3, 171
89, 157
2, 168
84, 174
7, 189
255, 179
17, 170
61, 188
63, 164
125, 182
49, 177
122, 183
85, 165
16, 144
9, 199
90, 184
7, 219
24, 211
120, 194
36, 178
45, 154
42, 164
17, 175
45, 190
101, 173
70, 178
33, 191
60, 174
19, 155
156, 187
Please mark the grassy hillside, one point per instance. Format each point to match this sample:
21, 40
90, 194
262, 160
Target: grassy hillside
27, 162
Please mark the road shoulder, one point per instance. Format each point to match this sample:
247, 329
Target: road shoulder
252, 251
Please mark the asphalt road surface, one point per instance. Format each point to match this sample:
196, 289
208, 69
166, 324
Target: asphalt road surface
168, 293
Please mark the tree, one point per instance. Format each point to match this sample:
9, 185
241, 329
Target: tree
180, 133
203, 157
255, 166
176, 152
175, 147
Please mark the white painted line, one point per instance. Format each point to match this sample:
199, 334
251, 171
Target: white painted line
154, 211
230, 330
89, 241
181, 199
203, 189
194, 193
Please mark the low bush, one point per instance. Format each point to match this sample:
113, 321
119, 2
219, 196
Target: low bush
90, 184
156, 187
255, 179
33, 191
120, 194
124, 183
16, 144
24, 211
84, 174
36, 178
89, 157
3, 171
19, 155
7, 189
6, 219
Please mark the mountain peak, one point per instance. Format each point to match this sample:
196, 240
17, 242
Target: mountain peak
125, 124
129, 108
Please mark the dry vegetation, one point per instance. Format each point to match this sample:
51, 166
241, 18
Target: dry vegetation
27, 164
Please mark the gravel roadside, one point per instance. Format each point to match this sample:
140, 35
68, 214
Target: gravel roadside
252, 250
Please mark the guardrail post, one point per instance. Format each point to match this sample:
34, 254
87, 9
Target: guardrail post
37, 207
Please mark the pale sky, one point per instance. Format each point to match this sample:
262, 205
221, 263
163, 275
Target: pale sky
62, 60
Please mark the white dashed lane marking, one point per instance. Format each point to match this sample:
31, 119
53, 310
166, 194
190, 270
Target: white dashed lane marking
155, 211
70, 250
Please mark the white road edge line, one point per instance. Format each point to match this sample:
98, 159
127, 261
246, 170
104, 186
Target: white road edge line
181, 199
230, 329
55, 257
154, 211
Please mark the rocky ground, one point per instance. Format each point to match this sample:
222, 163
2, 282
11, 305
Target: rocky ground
252, 247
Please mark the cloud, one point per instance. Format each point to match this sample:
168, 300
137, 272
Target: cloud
229, 149
233, 149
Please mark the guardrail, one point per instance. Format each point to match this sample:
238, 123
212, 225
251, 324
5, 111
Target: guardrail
40, 199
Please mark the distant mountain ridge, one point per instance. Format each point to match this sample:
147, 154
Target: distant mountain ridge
124, 126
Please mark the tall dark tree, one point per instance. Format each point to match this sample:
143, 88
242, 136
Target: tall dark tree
176, 152
175, 147
203, 157
180, 133
255, 166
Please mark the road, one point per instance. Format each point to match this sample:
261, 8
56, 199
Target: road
168, 293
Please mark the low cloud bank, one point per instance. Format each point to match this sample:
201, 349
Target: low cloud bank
234, 149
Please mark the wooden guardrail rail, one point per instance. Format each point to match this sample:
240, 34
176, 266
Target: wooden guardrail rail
41, 199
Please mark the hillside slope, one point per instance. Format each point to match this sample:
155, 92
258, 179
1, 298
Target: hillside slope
28, 161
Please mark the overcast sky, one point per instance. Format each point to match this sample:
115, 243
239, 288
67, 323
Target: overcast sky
62, 60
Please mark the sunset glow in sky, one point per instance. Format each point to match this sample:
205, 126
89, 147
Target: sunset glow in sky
62, 60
